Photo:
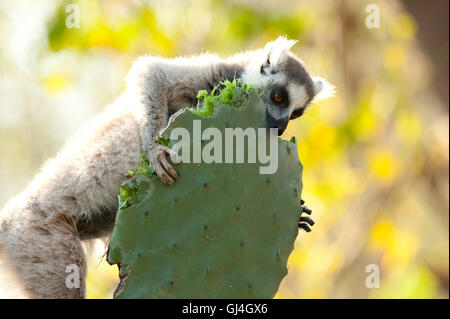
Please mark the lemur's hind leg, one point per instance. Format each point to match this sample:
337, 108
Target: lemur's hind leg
47, 256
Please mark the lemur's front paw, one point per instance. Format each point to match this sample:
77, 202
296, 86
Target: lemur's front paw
158, 160
305, 221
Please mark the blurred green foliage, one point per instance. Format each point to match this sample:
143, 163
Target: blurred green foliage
375, 156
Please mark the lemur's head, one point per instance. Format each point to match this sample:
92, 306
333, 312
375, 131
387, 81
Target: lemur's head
289, 88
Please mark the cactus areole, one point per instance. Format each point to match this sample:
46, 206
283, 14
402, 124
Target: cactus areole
224, 230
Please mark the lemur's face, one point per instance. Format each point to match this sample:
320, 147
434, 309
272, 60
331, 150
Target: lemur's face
288, 87
289, 90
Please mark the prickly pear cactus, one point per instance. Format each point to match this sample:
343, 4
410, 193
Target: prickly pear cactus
223, 231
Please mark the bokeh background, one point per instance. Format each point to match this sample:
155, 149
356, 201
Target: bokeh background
376, 170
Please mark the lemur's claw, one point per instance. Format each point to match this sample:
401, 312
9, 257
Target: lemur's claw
305, 221
304, 227
158, 160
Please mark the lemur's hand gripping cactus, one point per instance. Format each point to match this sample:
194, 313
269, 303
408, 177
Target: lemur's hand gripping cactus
223, 231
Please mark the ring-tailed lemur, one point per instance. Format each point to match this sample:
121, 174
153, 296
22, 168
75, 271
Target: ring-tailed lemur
74, 197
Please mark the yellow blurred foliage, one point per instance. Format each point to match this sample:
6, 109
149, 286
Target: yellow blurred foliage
395, 57
383, 164
55, 83
398, 246
403, 27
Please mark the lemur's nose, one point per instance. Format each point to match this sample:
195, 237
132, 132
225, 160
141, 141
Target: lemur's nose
279, 124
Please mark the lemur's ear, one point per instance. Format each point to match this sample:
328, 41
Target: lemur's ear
322, 89
275, 53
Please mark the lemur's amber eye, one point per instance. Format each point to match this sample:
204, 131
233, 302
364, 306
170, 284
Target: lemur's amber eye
277, 98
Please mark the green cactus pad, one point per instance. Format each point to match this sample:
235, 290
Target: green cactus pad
223, 231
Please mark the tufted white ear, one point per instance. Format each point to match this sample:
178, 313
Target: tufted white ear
322, 89
318, 85
266, 61
278, 49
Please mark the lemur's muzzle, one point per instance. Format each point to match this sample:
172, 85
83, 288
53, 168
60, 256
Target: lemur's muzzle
279, 124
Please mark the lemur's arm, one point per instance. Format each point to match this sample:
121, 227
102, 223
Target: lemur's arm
163, 86
153, 112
